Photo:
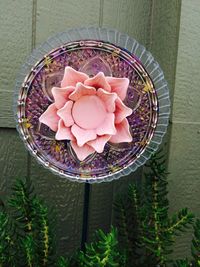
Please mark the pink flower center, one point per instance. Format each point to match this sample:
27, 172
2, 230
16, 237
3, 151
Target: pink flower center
89, 112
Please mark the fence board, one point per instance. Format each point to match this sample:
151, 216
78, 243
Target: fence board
184, 182
53, 17
67, 200
57, 16
131, 17
184, 160
187, 93
164, 36
15, 39
13, 160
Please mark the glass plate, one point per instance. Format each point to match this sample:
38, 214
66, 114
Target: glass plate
91, 50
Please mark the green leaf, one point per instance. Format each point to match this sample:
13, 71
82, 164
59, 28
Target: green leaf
180, 222
182, 263
103, 252
196, 243
145, 228
63, 262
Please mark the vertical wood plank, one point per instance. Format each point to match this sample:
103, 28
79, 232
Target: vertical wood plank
164, 33
131, 17
57, 16
187, 93
66, 198
13, 160
100, 212
52, 17
184, 182
184, 160
163, 44
15, 39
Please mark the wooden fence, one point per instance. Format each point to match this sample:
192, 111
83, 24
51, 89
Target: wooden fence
170, 30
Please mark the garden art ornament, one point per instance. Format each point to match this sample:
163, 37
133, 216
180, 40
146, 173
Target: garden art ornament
91, 104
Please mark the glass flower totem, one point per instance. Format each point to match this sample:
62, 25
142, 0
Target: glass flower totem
91, 104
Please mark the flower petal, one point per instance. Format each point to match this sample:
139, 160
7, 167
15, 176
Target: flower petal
119, 86
122, 111
65, 114
61, 95
98, 81
82, 152
50, 117
108, 126
99, 143
63, 133
108, 99
123, 133
83, 136
71, 77
82, 90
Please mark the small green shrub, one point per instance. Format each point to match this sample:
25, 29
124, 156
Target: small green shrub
143, 237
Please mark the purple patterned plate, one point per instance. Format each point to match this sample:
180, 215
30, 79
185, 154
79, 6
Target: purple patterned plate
90, 50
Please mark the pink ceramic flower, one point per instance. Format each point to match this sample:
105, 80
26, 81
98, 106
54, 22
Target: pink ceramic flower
89, 112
